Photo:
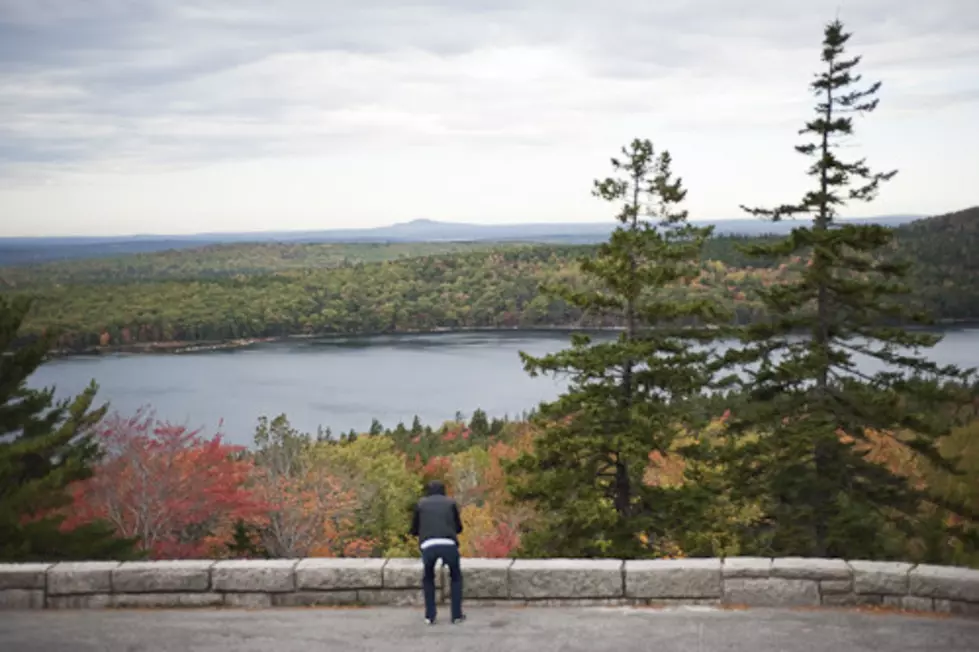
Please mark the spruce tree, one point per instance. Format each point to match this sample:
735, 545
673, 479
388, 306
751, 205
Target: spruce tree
44, 446
479, 424
834, 364
625, 398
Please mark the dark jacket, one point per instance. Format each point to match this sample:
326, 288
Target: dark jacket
436, 516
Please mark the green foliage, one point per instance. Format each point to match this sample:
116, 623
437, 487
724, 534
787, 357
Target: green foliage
244, 542
945, 251
221, 261
626, 397
811, 407
475, 290
959, 487
496, 286
479, 424
387, 490
44, 447
280, 447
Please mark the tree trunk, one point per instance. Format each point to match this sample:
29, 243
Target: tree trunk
821, 343
623, 488
623, 484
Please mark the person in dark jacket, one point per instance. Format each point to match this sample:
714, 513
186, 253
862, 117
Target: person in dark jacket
437, 525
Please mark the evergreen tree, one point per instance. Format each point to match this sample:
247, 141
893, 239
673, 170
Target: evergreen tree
279, 446
245, 543
811, 410
400, 433
497, 426
625, 397
479, 424
44, 447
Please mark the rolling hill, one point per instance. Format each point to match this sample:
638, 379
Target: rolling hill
944, 252
25, 251
233, 291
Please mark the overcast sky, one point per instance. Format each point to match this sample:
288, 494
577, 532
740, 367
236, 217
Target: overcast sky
180, 116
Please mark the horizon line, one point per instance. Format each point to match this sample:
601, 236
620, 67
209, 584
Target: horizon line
609, 223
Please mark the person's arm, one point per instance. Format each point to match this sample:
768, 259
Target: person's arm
455, 513
414, 522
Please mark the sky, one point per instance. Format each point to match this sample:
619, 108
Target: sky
187, 116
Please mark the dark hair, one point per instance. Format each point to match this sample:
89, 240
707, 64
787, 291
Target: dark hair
435, 488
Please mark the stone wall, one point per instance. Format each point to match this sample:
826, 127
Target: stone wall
736, 581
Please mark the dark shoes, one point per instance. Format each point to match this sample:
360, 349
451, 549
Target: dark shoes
455, 621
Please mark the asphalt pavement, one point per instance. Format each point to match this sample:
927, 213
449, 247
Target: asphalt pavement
509, 629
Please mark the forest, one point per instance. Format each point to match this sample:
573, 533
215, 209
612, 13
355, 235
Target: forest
659, 446
186, 494
221, 261
232, 292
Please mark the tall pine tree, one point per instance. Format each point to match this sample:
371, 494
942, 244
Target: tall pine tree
814, 400
625, 399
44, 446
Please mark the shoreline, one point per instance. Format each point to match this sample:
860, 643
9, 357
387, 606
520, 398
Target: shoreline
178, 347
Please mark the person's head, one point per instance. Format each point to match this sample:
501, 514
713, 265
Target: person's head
435, 488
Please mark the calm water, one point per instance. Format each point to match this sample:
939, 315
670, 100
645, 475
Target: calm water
345, 383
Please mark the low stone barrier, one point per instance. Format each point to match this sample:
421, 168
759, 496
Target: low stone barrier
736, 581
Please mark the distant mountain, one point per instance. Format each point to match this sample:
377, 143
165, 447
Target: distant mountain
423, 230
21, 251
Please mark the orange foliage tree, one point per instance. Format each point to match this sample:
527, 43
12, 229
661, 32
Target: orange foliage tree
177, 492
478, 479
306, 516
307, 508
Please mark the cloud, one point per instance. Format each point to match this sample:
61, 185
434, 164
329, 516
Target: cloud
145, 85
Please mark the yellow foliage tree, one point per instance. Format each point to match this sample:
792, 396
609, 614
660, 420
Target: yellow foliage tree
384, 487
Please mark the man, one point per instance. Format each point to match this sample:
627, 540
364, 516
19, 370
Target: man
437, 525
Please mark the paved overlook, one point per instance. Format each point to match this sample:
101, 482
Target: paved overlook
490, 629
757, 604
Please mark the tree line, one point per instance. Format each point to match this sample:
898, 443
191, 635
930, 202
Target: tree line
220, 261
494, 287
661, 445
498, 289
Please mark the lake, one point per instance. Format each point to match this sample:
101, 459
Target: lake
343, 383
